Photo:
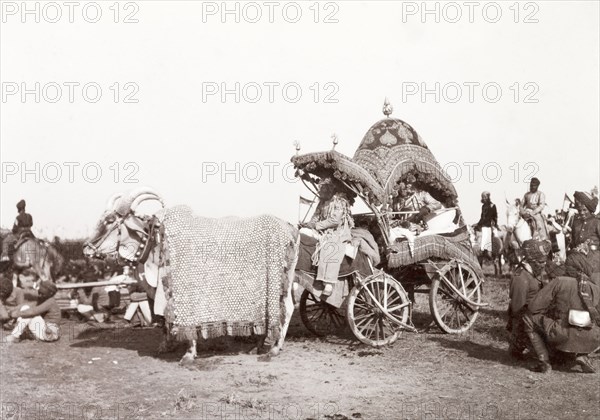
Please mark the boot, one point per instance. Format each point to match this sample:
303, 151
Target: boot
585, 363
537, 342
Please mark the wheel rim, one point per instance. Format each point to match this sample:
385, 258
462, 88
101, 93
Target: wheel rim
366, 319
451, 313
319, 317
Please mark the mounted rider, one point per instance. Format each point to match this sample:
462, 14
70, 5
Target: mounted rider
21, 229
534, 202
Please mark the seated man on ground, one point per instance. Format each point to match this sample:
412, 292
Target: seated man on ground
42, 321
11, 297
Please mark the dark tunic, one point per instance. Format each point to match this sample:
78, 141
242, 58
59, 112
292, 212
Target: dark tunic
550, 312
489, 215
23, 222
523, 288
584, 229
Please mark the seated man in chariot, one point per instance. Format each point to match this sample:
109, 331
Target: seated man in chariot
331, 224
422, 209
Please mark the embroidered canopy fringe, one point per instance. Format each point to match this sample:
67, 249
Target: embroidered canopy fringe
332, 163
224, 276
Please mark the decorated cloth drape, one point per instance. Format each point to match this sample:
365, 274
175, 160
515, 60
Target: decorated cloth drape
224, 276
455, 245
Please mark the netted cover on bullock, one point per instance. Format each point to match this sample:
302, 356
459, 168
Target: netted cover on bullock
332, 163
394, 153
224, 276
450, 246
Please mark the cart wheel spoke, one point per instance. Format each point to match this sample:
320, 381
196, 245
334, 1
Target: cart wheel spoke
319, 317
368, 305
449, 310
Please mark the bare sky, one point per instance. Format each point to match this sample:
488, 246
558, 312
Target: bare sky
161, 119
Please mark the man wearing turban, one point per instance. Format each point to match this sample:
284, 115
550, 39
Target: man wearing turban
333, 222
534, 202
21, 227
585, 235
564, 316
487, 221
524, 285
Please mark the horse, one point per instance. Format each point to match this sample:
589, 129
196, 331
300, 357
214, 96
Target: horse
517, 232
38, 255
139, 241
497, 254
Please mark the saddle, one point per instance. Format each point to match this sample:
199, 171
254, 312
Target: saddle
23, 236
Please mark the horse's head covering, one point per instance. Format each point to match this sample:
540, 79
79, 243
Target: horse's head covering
586, 199
21, 205
535, 181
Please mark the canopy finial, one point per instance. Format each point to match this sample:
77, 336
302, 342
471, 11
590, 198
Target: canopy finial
297, 146
334, 139
387, 107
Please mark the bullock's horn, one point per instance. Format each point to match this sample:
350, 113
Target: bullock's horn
144, 197
112, 200
123, 206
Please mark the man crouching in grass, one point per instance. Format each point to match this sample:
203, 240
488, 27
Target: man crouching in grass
42, 320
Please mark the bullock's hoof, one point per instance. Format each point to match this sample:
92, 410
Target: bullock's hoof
265, 357
187, 360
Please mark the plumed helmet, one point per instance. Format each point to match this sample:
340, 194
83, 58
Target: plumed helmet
21, 205
536, 254
485, 194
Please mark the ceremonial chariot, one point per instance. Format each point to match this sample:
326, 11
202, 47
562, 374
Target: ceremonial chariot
374, 296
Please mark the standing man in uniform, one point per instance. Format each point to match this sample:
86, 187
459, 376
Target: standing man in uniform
534, 202
585, 234
487, 222
22, 226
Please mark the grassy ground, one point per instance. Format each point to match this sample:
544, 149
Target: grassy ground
114, 372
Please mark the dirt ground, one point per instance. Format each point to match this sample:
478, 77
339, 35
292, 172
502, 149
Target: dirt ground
114, 372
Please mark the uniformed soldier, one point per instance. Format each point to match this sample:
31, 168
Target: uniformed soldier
564, 315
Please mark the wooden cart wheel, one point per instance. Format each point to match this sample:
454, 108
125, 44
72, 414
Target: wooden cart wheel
367, 320
451, 313
320, 318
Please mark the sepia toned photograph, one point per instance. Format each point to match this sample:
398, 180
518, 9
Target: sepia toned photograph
299, 210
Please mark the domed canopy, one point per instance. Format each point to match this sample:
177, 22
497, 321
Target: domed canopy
394, 153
